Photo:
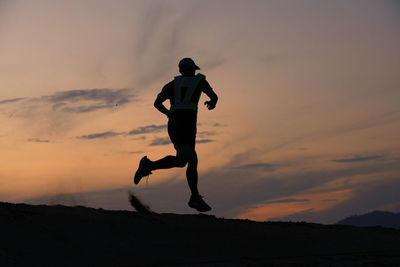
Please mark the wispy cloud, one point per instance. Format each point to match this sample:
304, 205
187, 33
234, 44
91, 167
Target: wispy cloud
140, 130
162, 141
203, 141
87, 100
287, 200
217, 124
37, 140
135, 152
358, 159
259, 166
102, 135
71, 101
5, 101
84, 109
140, 138
108, 96
158, 57
206, 133
371, 196
148, 129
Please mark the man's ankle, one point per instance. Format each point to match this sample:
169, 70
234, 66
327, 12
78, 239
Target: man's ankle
151, 165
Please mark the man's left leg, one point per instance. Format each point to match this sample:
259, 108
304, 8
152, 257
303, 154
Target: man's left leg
196, 200
192, 174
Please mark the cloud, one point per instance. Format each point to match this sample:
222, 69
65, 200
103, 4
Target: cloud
213, 63
205, 133
357, 159
217, 124
84, 109
161, 41
162, 141
148, 129
247, 189
140, 138
370, 196
135, 152
37, 140
5, 101
100, 135
259, 166
143, 130
108, 96
287, 200
140, 130
157, 52
203, 141
87, 100
71, 101
362, 124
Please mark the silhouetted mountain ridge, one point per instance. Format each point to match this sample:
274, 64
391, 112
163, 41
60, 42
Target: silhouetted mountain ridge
79, 236
375, 218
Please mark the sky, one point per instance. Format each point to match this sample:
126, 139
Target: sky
307, 127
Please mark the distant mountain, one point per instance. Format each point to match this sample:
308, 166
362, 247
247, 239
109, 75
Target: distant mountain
79, 236
375, 218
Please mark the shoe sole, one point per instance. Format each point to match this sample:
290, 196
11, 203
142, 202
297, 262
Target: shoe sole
137, 178
198, 209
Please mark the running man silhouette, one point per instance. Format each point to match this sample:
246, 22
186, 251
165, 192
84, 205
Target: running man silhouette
184, 95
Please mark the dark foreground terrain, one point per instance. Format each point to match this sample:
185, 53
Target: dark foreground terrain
79, 236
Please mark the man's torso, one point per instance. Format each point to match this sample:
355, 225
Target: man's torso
184, 94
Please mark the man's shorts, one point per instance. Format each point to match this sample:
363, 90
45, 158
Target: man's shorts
182, 127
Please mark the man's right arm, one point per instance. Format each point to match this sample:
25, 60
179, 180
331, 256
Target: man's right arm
158, 103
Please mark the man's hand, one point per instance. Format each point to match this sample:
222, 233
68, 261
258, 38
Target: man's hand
210, 104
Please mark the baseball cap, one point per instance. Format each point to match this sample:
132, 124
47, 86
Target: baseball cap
187, 64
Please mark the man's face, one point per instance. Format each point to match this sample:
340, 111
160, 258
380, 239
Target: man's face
187, 72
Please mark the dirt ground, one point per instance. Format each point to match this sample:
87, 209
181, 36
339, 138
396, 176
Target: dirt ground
80, 236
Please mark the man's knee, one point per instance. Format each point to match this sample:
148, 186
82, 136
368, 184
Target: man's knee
181, 162
186, 154
193, 159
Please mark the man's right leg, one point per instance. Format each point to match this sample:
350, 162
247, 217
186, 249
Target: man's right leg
185, 154
146, 165
167, 163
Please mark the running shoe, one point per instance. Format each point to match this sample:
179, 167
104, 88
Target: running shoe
197, 202
143, 170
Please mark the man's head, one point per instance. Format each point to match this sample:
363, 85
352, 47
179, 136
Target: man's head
187, 66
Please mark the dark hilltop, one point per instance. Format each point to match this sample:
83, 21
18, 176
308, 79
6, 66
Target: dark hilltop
375, 218
80, 236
